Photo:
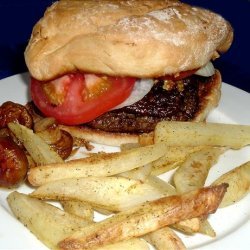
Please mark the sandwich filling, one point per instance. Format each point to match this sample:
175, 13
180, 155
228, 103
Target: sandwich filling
179, 100
123, 104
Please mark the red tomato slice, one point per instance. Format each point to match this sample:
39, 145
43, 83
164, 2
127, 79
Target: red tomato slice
83, 100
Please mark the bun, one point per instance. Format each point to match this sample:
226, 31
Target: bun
125, 38
99, 136
209, 102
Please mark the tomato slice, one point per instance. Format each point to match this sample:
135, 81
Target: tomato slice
83, 97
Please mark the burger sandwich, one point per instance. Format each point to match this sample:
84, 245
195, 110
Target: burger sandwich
110, 70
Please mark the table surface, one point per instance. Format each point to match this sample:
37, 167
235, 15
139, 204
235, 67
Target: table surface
17, 17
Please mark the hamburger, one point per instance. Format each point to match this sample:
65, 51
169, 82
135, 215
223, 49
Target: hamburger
110, 70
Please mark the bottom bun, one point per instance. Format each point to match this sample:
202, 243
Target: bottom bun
208, 102
99, 136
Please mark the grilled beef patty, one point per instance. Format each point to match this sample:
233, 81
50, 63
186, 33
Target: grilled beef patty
167, 100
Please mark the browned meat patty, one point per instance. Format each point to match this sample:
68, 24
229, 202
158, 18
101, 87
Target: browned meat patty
167, 100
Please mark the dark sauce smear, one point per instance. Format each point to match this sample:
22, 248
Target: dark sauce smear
167, 100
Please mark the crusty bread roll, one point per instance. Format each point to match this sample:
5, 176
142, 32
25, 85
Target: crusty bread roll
208, 103
125, 38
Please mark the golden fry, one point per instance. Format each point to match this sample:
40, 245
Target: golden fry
165, 239
132, 244
200, 133
111, 193
192, 173
79, 208
146, 218
140, 173
50, 224
99, 165
173, 158
239, 184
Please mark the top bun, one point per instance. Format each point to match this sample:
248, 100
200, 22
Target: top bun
125, 38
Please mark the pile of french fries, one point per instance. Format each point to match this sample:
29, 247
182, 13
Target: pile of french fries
139, 208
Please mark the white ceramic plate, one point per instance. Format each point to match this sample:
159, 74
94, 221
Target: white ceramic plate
231, 224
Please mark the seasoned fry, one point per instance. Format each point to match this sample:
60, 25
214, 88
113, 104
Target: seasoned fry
79, 208
188, 226
199, 133
102, 210
146, 218
38, 149
140, 173
111, 193
99, 165
173, 158
132, 244
161, 185
50, 224
206, 228
164, 166
239, 184
165, 239
192, 173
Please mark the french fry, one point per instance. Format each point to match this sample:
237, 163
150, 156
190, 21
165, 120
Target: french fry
173, 158
175, 154
163, 167
79, 208
165, 239
132, 244
140, 173
161, 185
50, 224
239, 184
100, 165
206, 228
192, 173
188, 226
146, 218
111, 193
101, 210
39, 150
199, 133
